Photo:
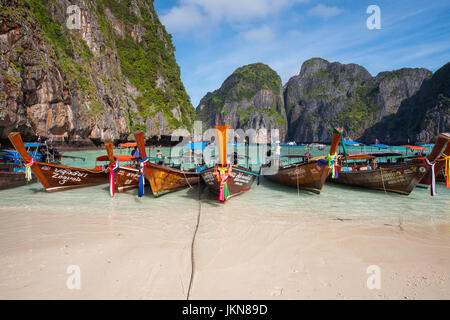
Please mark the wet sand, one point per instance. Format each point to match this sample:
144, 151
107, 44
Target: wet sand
240, 252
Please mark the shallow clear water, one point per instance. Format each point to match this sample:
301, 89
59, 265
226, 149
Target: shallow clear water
335, 201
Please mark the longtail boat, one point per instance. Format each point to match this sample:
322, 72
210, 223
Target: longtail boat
163, 179
225, 179
12, 171
400, 177
308, 173
442, 166
124, 177
11, 179
56, 177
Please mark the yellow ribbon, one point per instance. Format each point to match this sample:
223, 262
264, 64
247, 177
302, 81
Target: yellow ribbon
332, 162
446, 158
28, 169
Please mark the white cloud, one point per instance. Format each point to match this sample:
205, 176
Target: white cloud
324, 11
263, 34
191, 15
183, 18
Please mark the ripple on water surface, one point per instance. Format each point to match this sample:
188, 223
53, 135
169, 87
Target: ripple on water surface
267, 199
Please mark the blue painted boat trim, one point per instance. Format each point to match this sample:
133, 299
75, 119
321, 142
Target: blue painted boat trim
235, 169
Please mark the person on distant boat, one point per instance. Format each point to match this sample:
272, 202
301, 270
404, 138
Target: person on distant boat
308, 156
201, 167
235, 158
135, 152
160, 156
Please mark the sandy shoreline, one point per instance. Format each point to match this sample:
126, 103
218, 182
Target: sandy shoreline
239, 254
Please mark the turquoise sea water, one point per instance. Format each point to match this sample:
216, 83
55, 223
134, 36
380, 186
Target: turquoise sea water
335, 201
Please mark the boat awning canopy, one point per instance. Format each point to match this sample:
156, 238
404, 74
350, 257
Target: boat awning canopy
352, 143
123, 157
381, 146
116, 157
196, 146
426, 145
385, 154
372, 155
360, 156
12, 154
288, 156
102, 158
415, 147
34, 144
128, 145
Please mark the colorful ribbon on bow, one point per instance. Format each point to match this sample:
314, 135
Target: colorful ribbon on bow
112, 180
332, 165
28, 169
433, 178
222, 174
141, 177
446, 158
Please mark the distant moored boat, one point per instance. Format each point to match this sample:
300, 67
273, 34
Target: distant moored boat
225, 179
399, 177
56, 177
308, 173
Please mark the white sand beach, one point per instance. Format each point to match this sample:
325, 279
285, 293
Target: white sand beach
250, 252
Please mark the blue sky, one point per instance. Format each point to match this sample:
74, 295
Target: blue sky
214, 37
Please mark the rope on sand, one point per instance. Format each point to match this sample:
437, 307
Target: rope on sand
184, 174
382, 180
191, 279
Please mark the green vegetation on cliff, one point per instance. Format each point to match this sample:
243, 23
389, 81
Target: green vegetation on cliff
148, 62
244, 83
361, 110
260, 75
60, 41
144, 62
251, 96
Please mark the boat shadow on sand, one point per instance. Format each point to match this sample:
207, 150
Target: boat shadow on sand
343, 189
201, 193
204, 195
36, 189
276, 187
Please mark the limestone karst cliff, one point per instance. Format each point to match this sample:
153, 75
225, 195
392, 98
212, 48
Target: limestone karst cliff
326, 95
115, 74
409, 104
250, 98
421, 117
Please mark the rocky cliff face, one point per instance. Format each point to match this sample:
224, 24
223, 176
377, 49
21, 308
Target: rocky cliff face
115, 74
421, 117
326, 95
395, 106
251, 98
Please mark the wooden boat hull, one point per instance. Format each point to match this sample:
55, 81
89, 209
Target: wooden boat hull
165, 179
241, 180
59, 178
439, 167
306, 176
55, 177
126, 178
440, 176
400, 179
13, 179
